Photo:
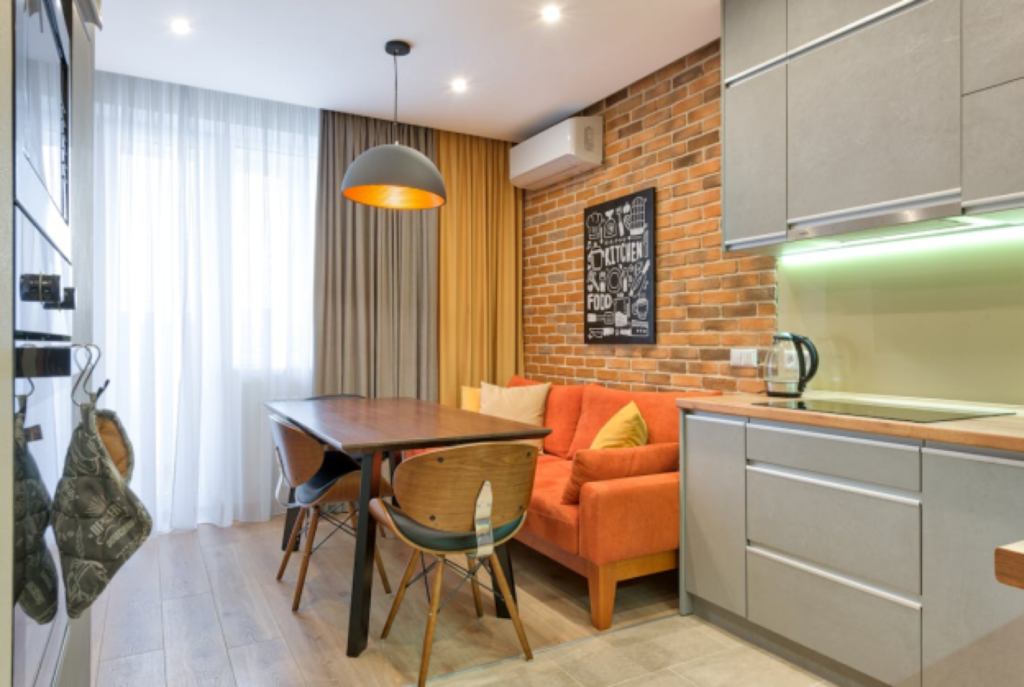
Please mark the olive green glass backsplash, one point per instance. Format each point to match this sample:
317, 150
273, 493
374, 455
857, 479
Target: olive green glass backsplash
939, 317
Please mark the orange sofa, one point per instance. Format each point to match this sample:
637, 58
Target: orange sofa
611, 515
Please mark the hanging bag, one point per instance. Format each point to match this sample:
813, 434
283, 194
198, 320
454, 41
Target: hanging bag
98, 521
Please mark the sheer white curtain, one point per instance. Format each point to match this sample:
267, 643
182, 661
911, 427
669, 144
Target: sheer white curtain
204, 278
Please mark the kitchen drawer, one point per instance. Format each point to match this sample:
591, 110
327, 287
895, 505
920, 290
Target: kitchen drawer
870, 631
885, 463
870, 535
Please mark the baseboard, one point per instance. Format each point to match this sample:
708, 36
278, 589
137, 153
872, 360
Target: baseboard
811, 661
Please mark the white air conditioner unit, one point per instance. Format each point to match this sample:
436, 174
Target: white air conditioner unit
563, 151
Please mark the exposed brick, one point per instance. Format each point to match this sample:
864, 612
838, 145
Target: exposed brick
662, 131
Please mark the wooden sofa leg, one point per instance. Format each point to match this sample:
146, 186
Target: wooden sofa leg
602, 594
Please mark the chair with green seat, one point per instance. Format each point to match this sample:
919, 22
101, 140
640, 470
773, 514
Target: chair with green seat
464, 500
318, 477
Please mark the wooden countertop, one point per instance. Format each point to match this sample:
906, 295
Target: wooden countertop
1010, 564
1004, 433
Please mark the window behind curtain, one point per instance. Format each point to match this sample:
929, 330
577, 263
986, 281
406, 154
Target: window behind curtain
204, 262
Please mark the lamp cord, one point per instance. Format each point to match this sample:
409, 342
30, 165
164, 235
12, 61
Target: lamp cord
394, 126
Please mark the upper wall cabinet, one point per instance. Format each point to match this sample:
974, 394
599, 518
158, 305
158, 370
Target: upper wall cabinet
757, 33
994, 148
754, 169
993, 32
810, 20
874, 116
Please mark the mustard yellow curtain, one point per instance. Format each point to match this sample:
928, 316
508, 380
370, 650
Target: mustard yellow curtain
480, 333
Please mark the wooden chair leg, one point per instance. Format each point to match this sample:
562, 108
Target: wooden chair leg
602, 582
435, 604
401, 593
310, 537
380, 570
291, 542
477, 601
499, 576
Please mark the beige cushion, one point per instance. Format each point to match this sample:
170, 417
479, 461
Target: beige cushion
524, 404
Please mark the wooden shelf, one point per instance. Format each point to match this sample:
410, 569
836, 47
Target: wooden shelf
1010, 564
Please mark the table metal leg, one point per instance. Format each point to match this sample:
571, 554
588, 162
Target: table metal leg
366, 545
289, 522
506, 565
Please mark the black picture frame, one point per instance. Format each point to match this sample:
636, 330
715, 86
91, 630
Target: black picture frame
619, 270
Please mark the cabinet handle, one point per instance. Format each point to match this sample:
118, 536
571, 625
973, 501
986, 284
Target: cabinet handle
833, 577
834, 485
941, 205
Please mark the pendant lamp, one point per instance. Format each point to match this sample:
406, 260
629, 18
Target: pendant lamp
394, 176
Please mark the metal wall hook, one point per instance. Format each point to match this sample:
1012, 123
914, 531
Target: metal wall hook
23, 398
93, 356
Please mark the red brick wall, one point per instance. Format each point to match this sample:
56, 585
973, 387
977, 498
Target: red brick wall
662, 131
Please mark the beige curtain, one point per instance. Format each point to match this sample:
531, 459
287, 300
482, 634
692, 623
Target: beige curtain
375, 275
480, 327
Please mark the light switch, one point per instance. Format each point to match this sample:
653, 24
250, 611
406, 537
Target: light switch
743, 357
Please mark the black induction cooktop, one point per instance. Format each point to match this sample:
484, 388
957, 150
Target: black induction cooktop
880, 411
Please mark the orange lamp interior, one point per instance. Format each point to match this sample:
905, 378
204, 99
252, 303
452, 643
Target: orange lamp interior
394, 197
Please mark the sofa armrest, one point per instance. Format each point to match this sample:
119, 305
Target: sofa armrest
630, 517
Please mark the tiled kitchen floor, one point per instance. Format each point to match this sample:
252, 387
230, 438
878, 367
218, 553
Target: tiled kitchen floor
671, 652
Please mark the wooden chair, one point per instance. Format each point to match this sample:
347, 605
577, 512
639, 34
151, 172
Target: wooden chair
319, 477
461, 500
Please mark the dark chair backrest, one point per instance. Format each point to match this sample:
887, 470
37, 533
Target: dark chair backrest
439, 489
299, 454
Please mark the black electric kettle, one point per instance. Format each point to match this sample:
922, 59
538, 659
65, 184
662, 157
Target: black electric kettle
792, 361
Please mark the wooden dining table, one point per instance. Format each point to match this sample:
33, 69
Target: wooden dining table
371, 430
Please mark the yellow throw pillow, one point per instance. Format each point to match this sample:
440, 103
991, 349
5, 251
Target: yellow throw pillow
471, 399
522, 403
626, 429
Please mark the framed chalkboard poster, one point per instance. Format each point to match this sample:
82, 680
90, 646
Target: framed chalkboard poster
619, 270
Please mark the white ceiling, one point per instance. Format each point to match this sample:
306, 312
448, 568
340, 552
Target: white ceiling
524, 75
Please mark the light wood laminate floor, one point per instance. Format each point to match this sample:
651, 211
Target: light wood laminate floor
203, 608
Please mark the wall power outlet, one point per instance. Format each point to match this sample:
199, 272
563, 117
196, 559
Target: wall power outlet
743, 357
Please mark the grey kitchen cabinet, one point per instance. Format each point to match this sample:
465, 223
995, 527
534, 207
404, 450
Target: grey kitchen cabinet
714, 556
873, 632
993, 176
754, 165
757, 33
874, 117
973, 625
872, 535
885, 461
811, 20
993, 35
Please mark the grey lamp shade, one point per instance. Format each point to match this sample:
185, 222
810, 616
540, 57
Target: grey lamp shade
394, 176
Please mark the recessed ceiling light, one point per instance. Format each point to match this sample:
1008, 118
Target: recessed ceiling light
181, 26
551, 14
459, 85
